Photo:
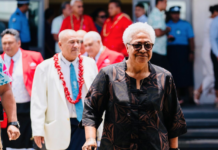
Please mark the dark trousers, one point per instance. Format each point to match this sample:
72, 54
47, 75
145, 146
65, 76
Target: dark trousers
160, 60
25, 46
77, 136
215, 69
24, 141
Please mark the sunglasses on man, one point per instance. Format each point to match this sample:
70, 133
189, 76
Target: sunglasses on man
103, 16
147, 45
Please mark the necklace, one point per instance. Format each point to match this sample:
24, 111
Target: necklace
72, 25
61, 76
115, 23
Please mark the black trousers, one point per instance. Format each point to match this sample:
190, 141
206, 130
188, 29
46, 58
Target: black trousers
160, 60
180, 65
24, 141
77, 136
215, 69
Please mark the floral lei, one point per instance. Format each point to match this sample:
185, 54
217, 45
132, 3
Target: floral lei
61, 76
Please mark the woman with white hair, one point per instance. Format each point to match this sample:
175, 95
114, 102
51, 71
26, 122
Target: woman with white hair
142, 111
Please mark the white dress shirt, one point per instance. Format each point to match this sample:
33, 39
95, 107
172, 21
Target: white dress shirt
85, 54
142, 19
65, 69
19, 90
99, 53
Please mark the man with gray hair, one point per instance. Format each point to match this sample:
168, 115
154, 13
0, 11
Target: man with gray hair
77, 21
22, 65
101, 54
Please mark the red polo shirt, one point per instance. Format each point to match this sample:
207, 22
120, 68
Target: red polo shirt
88, 24
112, 32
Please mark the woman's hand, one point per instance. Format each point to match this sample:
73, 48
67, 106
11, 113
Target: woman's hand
91, 142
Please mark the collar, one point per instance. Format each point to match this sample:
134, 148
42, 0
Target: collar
115, 17
157, 10
15, 57
66, 62
171, 21
99, 53
142, 17
150, 66
20, 12
75, 18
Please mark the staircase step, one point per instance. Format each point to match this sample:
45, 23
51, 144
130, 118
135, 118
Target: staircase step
196, 144
200, 134
200, 113
202, 123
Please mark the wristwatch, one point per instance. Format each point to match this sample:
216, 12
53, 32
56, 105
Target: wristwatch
16, 124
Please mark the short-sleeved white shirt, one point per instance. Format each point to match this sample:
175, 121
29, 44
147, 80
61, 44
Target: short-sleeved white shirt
157, 20
55, 28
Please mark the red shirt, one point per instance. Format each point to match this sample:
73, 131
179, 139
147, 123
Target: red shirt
88, 24
112, 33
109, 57
30, 60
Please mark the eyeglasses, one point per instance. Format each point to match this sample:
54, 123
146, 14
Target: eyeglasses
103, 16
148, 46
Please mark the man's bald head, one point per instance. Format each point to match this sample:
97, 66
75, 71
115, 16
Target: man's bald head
80, 35
69, 44
65, 34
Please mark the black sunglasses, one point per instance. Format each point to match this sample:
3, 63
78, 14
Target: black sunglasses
148, 46
103, 16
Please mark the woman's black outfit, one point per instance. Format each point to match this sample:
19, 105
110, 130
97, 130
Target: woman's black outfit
215, 69
135, 119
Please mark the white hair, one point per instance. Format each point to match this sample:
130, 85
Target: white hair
94, 35
73, 1
135, 28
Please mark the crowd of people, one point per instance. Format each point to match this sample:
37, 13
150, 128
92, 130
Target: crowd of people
100, 72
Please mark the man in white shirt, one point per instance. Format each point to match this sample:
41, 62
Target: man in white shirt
59, 89
57, 22
22, 65
140, 13
157, 20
